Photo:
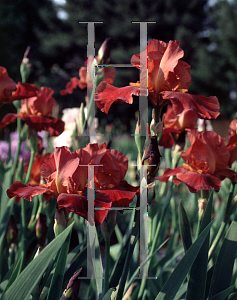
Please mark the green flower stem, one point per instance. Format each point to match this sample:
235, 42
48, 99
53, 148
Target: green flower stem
89, 108
91, 105
15, 163
202, 194
41, 205
157, 233
133, 240
223, 224
33, 219
107, 265
23, 201
33, 143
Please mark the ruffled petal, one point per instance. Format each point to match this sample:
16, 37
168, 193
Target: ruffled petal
27, 191
8, 119
232, 175
79, 205
232, 142
106, 95
169, 172
70, 86
62, 171
207, 151
167, 140
24, 90
196, 181
205, 107
166, 79
120, 196
39, 122
43, 103
7, 86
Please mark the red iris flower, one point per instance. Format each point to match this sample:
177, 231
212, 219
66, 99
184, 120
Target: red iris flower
10, 91
232, 142
36, 112
168, 82
66, 176
206, 163
35, 175
175, 124
85, 78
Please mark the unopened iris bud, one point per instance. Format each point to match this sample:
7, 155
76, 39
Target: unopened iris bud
202, 204
41, 229
104, 52
26, 65
12, 231
72, 289
60, 221
140, 139
152, 159
156, 128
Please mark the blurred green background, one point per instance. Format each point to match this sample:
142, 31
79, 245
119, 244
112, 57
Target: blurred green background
206, 31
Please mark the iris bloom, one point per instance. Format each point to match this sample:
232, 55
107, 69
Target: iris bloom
168, 82
66, 176
36, 112
35, 175
85, 80
232, 142
206, 163
176, 124
10, 91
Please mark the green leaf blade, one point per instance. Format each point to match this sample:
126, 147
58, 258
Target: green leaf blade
180, 272
222, 273
29, 277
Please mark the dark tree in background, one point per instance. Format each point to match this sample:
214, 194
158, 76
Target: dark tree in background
29, 22
207, 35
216, 67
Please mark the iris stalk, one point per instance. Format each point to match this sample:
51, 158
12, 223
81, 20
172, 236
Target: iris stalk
157, 233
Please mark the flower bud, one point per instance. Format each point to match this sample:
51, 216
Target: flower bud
12, 231
26, 65
156, 128
60, 221
202, 204
72, 289
104, 52
139, 139
152, 159
41, 230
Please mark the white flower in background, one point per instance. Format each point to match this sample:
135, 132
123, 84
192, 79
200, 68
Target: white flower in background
64, 139
71, 117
